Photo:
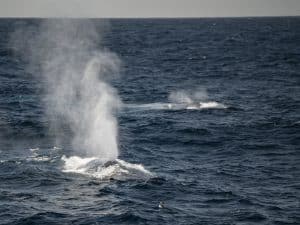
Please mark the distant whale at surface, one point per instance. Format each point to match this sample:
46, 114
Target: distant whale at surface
178, 106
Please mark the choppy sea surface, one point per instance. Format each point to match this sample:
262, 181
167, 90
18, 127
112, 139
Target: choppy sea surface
209, 130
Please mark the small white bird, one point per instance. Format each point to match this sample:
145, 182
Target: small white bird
161, 205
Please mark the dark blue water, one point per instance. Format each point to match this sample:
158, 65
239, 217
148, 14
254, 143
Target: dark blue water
237, 164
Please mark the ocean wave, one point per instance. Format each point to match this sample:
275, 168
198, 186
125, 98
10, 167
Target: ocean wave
43, 155
101, 169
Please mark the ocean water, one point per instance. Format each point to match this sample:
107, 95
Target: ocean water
208, 124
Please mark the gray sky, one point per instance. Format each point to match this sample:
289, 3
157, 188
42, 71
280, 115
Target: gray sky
148, 8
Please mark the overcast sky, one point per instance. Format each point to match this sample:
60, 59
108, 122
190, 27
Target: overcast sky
148, 8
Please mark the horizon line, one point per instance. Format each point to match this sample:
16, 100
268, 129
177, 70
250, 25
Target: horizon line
154, 17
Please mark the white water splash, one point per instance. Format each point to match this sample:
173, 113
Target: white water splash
101, 169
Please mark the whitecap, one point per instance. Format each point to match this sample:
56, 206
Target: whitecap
41, 158
34, 149
38, 158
